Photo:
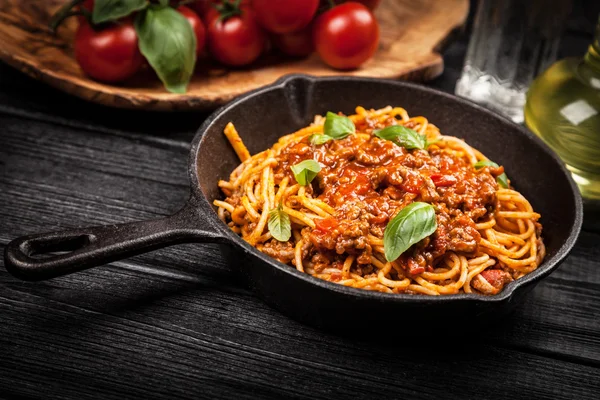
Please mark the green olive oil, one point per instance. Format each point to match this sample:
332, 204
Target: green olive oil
563, 108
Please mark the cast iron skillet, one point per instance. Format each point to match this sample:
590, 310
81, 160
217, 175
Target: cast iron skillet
290, 103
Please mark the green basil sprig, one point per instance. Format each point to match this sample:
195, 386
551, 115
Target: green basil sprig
403, 136
336, 127
501, 179
111, 10
411, 225
168, 42
306, 171
279, 224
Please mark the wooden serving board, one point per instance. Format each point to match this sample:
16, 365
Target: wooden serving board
411, 30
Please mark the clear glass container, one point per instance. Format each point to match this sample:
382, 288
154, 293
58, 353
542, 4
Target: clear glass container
563, 108
511, 43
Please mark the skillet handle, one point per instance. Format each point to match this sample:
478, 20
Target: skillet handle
30, 257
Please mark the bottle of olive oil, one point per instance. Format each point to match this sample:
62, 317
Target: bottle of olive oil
563, 108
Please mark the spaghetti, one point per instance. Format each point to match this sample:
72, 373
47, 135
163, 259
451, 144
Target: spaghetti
486, 235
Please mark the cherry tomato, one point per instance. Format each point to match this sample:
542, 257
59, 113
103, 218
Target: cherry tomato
235, 40
287, 16
295, 44
87, 6
110, 54
346, 36
197, 26
202, 7
210, 8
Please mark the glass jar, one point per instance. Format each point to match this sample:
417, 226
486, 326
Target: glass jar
563, 108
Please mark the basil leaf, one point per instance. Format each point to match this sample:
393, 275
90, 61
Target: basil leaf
502, 179
319, 139
337, 126
485, 163
166, 39
279, 224
111, 10
429, 143
411, 225
402, 136
305, 171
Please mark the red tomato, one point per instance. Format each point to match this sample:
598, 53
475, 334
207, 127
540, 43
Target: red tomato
212, 8
323, 227
326, 225
285, 16
110, 54
412, 183
87, 6
202, 7
346, 36
197, 26
443, 180
236, 40
295, 44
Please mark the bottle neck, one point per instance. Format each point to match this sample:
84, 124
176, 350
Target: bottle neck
592, 57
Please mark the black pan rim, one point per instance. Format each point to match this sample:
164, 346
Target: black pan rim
547, 267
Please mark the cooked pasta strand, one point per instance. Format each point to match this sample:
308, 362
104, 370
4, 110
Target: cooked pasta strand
337, 235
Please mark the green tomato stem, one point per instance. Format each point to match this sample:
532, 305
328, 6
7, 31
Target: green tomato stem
63, 13
228, 9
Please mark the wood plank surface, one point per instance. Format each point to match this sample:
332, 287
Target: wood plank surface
176, 323
151, 337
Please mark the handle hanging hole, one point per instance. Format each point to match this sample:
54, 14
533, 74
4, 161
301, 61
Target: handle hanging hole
49, 248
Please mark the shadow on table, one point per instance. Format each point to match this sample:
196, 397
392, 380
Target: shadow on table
219, 303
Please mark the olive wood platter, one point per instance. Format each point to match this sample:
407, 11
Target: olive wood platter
412, 32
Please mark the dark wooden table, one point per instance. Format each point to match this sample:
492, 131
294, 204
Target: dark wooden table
175, 324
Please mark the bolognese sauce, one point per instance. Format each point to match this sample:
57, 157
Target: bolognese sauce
485, 236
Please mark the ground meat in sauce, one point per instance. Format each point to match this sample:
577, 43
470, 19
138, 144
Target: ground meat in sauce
367, 180
491, 281
281, 251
